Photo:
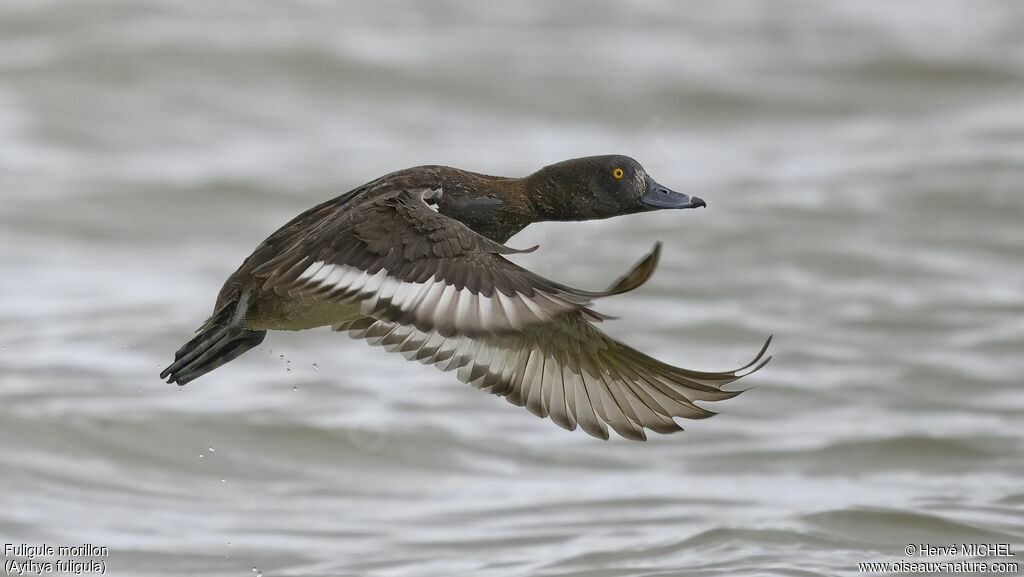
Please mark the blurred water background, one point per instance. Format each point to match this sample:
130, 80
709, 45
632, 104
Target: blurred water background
862, 164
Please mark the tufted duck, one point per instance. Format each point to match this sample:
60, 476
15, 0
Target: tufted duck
413, 261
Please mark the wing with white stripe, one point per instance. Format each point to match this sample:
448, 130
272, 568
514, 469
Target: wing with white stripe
567, 370
403, 262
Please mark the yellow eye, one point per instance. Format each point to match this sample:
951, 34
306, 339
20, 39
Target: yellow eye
617, 173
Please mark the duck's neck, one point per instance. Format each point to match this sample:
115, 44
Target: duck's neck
494, 206
499, 207
552, 199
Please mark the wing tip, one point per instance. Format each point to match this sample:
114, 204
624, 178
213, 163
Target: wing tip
638, 275
503, 249
758, 362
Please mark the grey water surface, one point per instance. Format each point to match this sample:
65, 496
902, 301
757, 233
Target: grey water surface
863, 165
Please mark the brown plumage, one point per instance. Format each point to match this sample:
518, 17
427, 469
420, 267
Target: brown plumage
414, 262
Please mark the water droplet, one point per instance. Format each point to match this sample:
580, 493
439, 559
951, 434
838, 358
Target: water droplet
296, 389
288, 369
211, 450
201, 455
225, 481
315, 367
281, 357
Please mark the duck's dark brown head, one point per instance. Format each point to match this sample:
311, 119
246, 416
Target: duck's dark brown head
588, 188
597, 187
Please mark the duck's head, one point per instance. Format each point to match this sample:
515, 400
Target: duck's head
596, 187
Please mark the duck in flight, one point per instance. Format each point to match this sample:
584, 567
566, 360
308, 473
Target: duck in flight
414, 262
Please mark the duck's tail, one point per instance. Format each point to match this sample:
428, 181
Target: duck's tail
220, 340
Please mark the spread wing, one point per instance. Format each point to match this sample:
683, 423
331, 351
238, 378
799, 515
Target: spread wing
567, 370
431, 288
403, 262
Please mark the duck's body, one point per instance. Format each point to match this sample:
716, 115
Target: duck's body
413, 261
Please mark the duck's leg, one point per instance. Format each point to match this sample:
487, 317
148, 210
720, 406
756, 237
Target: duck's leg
221, 341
